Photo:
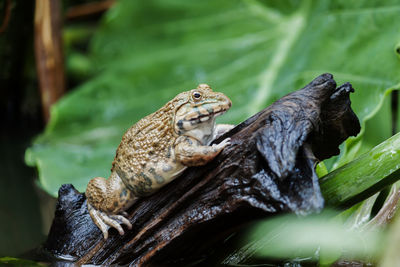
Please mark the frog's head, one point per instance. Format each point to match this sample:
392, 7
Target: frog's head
200, 105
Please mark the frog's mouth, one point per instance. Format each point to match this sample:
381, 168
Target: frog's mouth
188, 116
205, 117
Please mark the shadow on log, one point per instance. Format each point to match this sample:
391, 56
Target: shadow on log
268, 169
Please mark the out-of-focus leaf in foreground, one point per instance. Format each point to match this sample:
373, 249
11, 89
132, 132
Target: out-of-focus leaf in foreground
316, 237
391, 256
145, 52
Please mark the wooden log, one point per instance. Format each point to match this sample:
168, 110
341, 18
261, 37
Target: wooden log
268, 169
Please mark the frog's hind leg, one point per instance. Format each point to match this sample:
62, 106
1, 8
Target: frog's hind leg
106, 199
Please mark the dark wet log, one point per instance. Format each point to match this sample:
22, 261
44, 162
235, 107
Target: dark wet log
268, 169
49, 53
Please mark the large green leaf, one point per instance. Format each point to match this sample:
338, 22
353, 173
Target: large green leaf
145, 52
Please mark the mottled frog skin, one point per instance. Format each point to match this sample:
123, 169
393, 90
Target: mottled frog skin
156, 150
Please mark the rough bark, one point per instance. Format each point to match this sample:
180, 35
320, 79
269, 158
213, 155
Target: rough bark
268, 169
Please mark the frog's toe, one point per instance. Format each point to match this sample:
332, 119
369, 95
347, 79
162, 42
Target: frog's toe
99, 221
226, 142
124, 213
121, 220
104, 221
114, 221
110, 221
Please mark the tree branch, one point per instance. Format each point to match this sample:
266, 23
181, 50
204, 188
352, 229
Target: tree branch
49, 53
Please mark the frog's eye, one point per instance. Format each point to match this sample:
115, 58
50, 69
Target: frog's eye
196, 96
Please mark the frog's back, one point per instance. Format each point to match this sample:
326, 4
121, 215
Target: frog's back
150, 139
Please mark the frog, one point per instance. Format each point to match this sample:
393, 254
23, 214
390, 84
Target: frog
155, 151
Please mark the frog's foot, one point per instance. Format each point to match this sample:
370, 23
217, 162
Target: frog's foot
226, 142
220, 129
104, 221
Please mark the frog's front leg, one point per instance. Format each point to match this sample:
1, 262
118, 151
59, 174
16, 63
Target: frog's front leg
190, 152
106, 200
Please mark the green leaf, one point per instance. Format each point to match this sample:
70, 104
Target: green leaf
363, 177
145, 52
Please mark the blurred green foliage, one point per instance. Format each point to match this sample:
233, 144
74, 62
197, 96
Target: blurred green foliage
10, 261
305, 239
144, 53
